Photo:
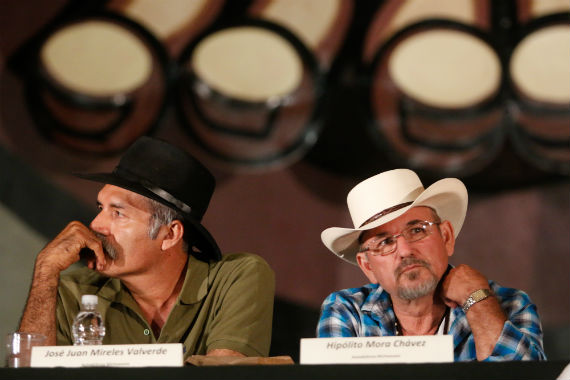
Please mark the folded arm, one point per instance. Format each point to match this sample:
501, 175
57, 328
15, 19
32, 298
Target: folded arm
504, 326
56, 256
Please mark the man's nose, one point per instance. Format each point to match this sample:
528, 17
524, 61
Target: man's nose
403, 247
99, 224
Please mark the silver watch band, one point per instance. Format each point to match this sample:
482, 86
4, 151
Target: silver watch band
476, 296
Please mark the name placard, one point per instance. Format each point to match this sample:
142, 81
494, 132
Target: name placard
384, 349
117, 355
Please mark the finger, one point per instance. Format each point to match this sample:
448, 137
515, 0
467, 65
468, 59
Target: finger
450, 303
97, 247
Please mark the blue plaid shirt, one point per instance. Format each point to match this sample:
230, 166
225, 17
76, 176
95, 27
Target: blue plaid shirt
367, 311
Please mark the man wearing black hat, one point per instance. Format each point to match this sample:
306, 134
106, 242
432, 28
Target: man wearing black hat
158, 273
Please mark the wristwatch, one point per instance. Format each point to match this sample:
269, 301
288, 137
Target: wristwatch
476, 296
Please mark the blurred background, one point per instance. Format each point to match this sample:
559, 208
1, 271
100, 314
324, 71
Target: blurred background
291, 103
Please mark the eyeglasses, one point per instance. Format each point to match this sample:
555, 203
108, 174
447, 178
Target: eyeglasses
385, 245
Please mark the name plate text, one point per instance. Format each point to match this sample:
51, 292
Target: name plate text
385, 349
117, 355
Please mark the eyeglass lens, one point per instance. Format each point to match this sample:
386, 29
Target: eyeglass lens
388, 244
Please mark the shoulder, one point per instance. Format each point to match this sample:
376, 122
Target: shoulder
240, 261
355, 296
242, 258
240, 266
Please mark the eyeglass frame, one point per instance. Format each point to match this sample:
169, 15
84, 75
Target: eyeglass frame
376, 251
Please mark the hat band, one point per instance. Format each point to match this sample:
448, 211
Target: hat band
153, 189
384, 212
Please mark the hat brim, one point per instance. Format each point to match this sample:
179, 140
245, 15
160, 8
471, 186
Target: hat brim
203, 240
448, 197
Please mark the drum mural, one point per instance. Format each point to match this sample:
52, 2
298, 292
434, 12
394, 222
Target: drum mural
446, 84
438, 96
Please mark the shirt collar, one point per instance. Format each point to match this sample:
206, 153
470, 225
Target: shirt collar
378, 306
111, 290
195, 285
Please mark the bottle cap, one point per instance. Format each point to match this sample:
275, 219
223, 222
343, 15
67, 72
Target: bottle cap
89, 299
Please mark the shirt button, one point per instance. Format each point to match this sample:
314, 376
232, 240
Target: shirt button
146, 332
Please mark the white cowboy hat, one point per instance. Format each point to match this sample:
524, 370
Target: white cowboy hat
384, 197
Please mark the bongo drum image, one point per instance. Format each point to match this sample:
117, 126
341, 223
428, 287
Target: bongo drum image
540, 82
250, 95
252, 92
175, 23
435, 85
100, 82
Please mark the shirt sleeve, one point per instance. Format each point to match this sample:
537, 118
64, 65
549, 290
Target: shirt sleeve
63, 331
521, 337
66, 309
244, 307
339, 318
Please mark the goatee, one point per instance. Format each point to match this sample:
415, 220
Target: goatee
422, 289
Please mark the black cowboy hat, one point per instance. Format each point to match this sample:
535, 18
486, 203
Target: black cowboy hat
169, 175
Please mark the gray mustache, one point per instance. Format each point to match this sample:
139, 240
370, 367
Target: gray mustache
409, 261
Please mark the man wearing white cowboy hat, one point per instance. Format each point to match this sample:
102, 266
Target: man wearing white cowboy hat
158, 273
402, 239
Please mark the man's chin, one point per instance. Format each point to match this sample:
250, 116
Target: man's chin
414, 286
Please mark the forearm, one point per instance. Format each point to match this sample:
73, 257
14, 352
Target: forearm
486, 319
521, 335
39, 313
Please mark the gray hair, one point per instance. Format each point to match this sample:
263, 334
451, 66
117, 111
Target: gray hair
162, 215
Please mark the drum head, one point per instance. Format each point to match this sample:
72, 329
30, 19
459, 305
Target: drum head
446, 69
248, 64
97, 58
539, 65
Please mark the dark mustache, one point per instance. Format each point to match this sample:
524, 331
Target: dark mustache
108, 247
409, 261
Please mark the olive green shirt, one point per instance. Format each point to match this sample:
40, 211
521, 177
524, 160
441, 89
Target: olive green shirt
225, 304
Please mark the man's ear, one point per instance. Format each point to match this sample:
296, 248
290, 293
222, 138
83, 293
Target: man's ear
364, 265
174, 234
448, 236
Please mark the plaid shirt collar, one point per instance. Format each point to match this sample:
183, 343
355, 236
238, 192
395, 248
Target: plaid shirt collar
378, 306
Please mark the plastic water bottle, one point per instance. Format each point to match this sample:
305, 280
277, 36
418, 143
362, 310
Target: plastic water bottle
88, 327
